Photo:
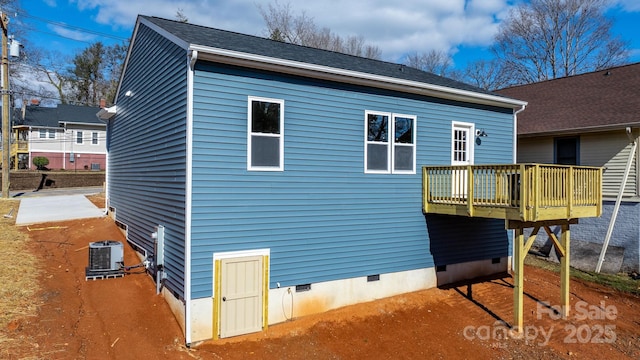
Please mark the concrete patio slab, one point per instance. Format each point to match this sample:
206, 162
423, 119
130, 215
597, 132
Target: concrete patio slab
34, 210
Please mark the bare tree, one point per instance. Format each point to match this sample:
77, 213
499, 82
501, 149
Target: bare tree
49, 67
434, 61
485, 74
547, 39
181, 17
23, 76
283, 25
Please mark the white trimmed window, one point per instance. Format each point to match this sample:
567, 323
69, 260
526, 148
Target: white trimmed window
51, 134
94, 138
390, 143
265, 140
404, 144
79, 137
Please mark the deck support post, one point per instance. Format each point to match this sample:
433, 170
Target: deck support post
562, 247
520, 250
518, 278
534, 196
564, 271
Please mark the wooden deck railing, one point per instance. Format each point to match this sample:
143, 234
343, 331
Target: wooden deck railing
18, 146
525, 192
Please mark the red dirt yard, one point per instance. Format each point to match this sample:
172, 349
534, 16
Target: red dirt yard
123, 318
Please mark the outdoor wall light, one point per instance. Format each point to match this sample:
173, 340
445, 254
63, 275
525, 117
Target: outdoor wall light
480, 133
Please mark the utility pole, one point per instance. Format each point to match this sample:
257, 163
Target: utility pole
6, 127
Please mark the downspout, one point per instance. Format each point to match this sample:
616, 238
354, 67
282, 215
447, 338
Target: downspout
515, 133
64, 141
192, 58
106, 170
515, 160
30, 146
616, 208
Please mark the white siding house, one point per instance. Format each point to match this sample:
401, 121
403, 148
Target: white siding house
71, 137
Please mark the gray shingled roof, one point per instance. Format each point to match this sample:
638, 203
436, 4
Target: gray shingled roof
593, 101
53, 116
227, 40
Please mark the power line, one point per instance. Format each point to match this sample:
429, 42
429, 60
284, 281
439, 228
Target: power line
70, 27
58, 35
31, 26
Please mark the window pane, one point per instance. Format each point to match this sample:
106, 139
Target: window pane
265, 117
52, 134
94, 138
460, 145
567, 151
378, 127
265, 151
403, 158
79, 137
43, 133
404, 130
377, 157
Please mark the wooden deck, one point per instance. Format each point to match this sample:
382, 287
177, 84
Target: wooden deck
525, 195
518, 192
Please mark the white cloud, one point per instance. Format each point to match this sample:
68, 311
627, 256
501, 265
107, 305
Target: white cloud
396, 28
629, 5
71, 34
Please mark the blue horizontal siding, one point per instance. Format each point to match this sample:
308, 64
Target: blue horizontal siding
147, 150
322, 217
455, 239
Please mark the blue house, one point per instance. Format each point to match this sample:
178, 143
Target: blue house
266, 181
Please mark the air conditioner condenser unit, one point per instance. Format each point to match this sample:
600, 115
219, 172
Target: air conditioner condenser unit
105, 258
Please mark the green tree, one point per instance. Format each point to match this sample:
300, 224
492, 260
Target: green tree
95, 73
114, 62
40, 162
88, 74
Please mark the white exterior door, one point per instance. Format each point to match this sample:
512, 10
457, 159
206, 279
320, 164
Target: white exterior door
241, 294
461, 154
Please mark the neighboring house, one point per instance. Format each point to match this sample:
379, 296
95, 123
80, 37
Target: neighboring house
591, 119
71, 137
282, 180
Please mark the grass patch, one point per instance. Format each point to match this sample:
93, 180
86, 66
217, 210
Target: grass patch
620, 282
18, 274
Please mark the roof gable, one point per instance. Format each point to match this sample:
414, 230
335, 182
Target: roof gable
599, 100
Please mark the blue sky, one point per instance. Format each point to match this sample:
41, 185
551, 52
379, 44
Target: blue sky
463, 28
